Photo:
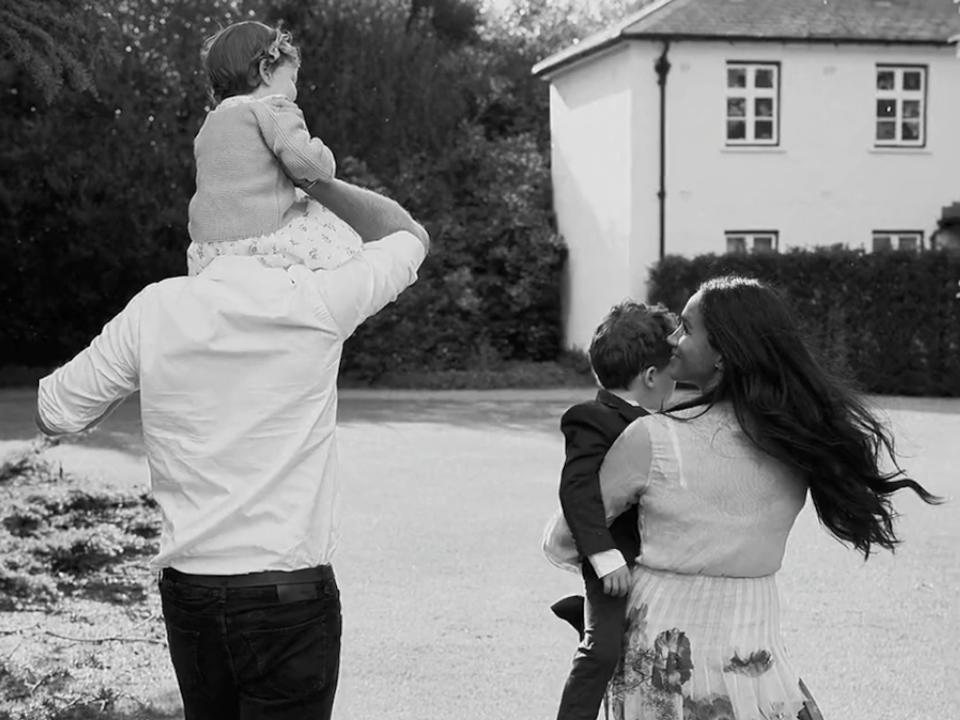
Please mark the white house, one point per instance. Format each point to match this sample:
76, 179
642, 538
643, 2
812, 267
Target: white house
699, 126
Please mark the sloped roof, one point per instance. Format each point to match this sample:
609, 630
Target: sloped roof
908, 22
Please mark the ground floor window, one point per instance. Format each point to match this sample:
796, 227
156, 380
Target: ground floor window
743, 241
884, 240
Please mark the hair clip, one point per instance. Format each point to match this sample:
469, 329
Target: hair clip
279, 46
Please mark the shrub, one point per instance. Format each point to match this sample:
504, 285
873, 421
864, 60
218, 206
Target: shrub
56, 538
445, 119
890, 320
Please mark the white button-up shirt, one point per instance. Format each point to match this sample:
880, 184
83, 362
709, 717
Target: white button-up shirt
237, 372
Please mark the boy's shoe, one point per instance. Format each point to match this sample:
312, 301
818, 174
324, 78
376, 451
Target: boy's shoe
570, 609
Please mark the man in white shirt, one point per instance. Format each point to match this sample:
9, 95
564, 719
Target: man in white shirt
237, 372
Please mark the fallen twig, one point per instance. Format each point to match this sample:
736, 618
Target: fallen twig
10, 654
107, 638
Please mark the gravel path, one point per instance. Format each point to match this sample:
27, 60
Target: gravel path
446, 594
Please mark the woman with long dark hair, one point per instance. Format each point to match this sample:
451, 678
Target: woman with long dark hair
719, 481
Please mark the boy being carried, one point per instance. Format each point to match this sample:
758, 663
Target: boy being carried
629, 355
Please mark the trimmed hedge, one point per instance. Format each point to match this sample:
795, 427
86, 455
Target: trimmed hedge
890, 321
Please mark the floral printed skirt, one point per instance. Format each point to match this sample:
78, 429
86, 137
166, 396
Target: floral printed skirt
316, 237
705, 648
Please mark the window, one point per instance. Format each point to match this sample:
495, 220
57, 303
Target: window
897, 240
752, 103
901, 106
758, 241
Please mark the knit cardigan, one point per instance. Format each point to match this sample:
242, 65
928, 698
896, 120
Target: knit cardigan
251, 155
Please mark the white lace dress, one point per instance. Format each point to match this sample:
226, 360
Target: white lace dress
702, 640
316, 237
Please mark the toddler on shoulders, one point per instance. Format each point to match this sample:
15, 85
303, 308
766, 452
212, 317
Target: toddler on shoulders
255, 158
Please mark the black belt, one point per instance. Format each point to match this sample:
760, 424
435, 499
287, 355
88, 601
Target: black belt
258, 579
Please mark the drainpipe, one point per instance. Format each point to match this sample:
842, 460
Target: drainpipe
662, 67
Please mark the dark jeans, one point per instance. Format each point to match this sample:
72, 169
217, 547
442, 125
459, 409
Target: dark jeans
270, 652
598, 654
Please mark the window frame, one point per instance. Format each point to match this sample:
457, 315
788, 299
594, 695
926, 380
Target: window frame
750, 95
897, 235
899, 95
750, 238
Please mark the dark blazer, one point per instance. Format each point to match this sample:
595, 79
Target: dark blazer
589, 430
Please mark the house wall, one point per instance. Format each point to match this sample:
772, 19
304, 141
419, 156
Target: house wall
825, 183
601, 124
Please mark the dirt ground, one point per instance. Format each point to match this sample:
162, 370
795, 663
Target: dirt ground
446, 593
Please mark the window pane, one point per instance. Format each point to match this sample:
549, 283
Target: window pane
763, 78
763, 130
907, 242
736, 77
885, 79
886, 108
882, 242
736, 107
911, 108
911, 80
763, 107
763, 243
736, 129
736, 244
911, 130
886, 130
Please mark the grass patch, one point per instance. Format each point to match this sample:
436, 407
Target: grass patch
74, 580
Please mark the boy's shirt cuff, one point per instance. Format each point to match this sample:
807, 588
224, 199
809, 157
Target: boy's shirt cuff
606, 562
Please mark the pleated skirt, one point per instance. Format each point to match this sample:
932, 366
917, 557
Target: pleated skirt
698, 647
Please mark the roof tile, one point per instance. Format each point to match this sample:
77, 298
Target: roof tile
863, 20
934, 22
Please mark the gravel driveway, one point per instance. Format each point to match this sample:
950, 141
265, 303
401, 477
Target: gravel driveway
446, 594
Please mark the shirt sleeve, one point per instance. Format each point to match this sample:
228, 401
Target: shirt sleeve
626, 469
82, 392
367, 283
304, 158
607, 561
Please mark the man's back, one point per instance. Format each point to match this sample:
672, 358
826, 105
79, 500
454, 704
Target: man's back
237, 371
238, 396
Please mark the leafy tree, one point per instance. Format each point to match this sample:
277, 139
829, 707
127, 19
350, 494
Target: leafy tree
56, 43
431, 101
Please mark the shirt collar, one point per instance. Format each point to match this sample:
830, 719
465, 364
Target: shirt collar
226, 266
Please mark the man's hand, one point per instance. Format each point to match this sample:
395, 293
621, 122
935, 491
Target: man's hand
617, 583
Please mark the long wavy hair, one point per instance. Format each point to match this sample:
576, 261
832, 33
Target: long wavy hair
794, 410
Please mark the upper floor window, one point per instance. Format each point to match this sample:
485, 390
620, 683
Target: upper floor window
752, 103
901, 105
897, 240
742, 241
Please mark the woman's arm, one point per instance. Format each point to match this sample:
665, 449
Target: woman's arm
625, 472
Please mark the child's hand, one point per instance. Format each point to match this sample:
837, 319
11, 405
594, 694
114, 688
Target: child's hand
617, 583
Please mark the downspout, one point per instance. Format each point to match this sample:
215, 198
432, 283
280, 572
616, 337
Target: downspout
662, 67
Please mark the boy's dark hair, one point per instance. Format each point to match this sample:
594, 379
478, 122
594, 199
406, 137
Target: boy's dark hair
232, 57
631, 338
